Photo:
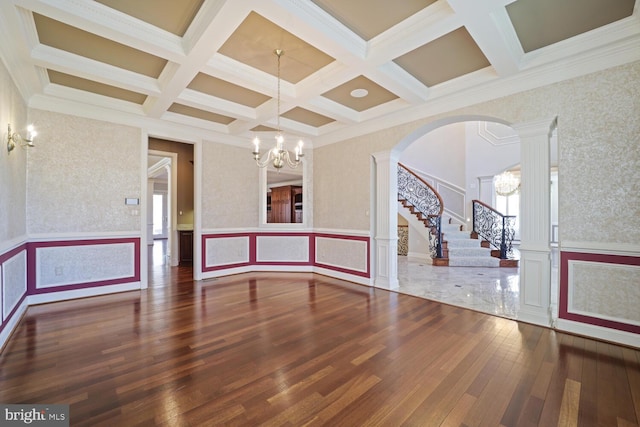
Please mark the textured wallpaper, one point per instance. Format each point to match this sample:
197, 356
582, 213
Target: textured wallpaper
13, 170
229, 187
80, 175
598, 139
604, 290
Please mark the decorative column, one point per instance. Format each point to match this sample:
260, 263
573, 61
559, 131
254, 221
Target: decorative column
386, 220
535, 220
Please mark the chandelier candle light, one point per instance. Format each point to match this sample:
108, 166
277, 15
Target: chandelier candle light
278, 155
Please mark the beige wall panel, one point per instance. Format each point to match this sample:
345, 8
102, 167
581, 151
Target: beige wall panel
226, 250
80, 175
602, 290
343, 253
229, 187
13, 167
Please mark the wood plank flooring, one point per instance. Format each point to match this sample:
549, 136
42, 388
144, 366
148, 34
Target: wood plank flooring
297, 349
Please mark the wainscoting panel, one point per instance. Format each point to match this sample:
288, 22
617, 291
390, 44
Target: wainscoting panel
339, 255
601, 290
348, 254
221, 251
287, 248
76, 264
14, 282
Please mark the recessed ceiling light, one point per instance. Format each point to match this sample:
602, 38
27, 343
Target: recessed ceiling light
359, 93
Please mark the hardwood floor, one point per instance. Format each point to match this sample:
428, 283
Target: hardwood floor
295, 349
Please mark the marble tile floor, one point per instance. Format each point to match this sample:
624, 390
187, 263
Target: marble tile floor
485, 289
489, 290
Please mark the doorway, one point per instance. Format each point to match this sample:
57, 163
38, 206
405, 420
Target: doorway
170, 199
161, 200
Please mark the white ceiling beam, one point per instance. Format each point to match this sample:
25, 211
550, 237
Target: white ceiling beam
478, 19
211, 38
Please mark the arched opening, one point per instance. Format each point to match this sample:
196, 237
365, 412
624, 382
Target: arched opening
535, 170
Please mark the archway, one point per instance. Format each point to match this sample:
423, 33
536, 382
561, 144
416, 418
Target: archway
535, 271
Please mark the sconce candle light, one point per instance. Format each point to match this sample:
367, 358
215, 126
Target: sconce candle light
14, 139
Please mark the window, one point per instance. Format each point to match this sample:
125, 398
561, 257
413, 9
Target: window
510, 205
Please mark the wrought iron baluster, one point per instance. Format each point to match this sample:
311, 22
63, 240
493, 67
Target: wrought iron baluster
425, 201
497, 229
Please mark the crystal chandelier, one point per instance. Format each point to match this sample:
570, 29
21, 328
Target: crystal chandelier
506, 184
278, 155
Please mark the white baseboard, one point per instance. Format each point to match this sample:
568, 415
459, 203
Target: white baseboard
12, 323
82, 293
597, 332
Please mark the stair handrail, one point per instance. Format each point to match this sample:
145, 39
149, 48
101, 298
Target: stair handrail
426, 204
426, 200
498, 229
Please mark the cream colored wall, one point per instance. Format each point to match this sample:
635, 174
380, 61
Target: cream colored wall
598, 138
341, 174
13, 167
440, 153
229, 187
80, 174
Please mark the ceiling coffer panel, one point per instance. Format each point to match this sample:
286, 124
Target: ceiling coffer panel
170, 15
225, 90
307, 117
74, 40
255, 40
197, 113
540, 23
373, 94
452, 55
79, 83
369, 18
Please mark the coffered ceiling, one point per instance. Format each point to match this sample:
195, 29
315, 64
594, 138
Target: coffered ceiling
207, 68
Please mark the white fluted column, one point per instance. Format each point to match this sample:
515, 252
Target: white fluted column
535, 221
386, 220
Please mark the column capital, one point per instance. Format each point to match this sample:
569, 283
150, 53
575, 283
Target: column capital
385, 156
542, 127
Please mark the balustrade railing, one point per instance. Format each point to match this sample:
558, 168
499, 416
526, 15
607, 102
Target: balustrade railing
426, 201
499, 230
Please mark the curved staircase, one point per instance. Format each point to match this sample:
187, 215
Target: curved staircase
450, 245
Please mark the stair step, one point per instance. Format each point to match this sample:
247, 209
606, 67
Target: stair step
463, 243
474, 262
455, 235
469, 252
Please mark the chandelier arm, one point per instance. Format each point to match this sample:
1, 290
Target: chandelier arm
292, 164
265, 161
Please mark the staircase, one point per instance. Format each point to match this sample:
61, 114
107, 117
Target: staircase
464, 249
449, 245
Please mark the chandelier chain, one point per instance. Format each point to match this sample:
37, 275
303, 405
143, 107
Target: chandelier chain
279, 53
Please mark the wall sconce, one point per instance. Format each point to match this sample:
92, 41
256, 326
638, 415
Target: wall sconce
14, 139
